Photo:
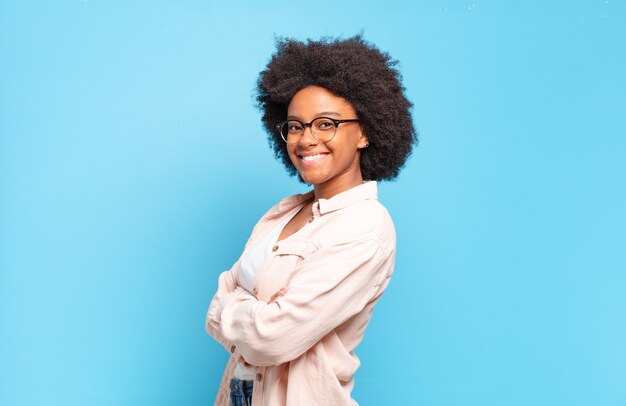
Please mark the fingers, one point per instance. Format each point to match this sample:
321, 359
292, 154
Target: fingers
278, 294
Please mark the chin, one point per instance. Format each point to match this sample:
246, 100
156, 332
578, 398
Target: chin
312, 179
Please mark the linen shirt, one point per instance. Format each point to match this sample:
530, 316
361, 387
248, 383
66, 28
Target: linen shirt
334, 270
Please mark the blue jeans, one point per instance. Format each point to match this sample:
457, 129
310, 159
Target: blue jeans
240, 392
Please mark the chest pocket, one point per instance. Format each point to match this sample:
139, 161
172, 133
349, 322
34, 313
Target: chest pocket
299, 248
281, 266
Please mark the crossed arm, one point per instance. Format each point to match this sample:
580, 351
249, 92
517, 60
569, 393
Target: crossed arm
328, 288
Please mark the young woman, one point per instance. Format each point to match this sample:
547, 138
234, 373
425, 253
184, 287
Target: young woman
295, 305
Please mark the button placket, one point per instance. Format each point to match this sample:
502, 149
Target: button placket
315, 211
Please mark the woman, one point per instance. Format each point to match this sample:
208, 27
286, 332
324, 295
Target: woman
295, 306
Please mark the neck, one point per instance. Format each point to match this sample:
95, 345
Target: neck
340, 184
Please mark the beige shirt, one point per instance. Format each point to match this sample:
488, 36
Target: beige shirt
334, 269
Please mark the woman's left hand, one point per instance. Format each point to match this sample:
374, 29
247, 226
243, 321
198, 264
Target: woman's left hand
278, 294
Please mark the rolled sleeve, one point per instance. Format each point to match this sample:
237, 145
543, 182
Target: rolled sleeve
227, 283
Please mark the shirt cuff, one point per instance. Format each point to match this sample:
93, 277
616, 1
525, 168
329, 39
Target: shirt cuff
238, 295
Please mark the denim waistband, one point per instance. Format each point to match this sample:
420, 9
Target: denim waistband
238, 384
240, 392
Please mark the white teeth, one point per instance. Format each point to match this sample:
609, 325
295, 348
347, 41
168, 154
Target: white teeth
313, 157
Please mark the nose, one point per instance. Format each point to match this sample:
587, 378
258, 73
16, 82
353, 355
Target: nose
308, 139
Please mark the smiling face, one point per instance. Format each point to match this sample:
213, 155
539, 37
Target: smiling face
332, 166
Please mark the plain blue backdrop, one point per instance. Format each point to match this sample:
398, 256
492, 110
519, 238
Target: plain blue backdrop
133, 166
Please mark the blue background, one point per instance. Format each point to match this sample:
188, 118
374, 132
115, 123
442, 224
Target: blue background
133, 167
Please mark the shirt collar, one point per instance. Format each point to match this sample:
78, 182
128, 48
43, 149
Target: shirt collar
366, 190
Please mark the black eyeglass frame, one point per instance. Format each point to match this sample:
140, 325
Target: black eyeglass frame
309, 124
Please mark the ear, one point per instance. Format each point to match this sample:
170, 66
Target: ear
363, 141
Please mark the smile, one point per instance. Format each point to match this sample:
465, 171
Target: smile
313, 158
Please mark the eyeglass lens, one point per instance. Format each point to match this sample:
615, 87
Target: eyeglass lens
322, 128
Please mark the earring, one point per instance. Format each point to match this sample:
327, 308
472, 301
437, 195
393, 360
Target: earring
367, 145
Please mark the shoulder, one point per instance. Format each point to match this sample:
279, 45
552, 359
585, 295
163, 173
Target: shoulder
363, 220
285, 205
276, 212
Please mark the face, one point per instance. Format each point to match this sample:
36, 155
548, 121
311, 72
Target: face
332, 165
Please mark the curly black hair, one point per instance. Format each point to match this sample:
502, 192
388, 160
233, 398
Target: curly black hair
355, 70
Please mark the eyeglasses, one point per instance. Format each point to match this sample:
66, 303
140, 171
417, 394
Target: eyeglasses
322, 128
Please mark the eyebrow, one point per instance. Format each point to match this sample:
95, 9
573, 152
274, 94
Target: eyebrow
322, 114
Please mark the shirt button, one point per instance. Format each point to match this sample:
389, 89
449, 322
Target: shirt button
311, 219
232, 348
275, 248
259, 377
255, 291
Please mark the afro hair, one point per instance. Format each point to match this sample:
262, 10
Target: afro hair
356, 71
